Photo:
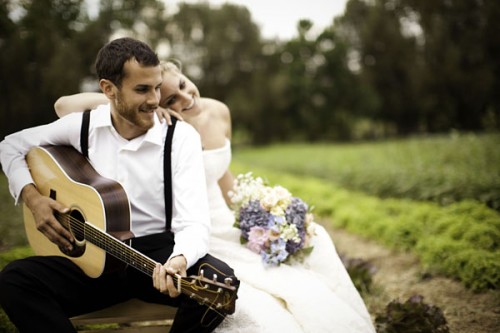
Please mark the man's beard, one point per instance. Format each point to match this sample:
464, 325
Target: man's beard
133, 115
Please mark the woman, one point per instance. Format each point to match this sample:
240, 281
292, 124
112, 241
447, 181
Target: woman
316, 296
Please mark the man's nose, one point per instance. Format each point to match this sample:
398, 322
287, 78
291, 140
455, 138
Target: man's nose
154, 98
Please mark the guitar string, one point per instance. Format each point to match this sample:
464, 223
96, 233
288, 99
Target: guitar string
116, 246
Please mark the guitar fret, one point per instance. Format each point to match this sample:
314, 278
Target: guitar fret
119, 249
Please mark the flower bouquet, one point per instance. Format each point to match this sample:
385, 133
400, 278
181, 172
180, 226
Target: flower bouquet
273, 223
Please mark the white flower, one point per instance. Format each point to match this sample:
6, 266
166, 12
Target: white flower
290, 232
275, 200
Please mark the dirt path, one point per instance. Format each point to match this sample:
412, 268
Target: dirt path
398, 276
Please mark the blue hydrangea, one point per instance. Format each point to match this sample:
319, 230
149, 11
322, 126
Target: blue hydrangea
252, 215
277, 254
296, 212
275, 221
292, 246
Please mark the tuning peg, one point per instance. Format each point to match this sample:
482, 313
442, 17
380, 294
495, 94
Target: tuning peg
214, 277
228, 281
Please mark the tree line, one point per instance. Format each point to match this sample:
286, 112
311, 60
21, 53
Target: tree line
385, 68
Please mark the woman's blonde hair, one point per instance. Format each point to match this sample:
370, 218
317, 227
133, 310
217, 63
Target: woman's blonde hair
172, 65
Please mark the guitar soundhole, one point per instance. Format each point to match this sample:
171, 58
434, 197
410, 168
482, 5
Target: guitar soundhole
76, 225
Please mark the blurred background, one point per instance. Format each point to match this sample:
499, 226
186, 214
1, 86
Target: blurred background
372, 69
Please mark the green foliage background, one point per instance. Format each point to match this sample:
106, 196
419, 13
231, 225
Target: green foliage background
442, 169
382, 69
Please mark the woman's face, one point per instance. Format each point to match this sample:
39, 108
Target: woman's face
179, 94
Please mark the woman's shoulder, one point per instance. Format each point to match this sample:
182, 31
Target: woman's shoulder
217, 110
216, 107
217, 117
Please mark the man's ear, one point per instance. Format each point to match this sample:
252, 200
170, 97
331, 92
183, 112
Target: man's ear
108, 88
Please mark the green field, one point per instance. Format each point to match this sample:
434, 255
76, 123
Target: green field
443, 169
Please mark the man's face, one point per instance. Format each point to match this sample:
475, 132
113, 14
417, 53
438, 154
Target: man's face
136, 99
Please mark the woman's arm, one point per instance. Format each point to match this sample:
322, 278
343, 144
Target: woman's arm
79, 102
226, 184
90, 100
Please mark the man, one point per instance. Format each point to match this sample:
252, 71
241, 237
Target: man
125, 144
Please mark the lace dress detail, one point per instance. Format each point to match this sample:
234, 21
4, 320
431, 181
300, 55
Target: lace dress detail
315, 296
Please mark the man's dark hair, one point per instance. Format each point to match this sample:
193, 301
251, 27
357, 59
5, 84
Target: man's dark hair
112, 57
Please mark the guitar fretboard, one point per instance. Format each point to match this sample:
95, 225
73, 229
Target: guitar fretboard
119, 250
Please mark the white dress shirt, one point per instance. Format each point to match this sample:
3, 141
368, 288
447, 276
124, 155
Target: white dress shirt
137, 165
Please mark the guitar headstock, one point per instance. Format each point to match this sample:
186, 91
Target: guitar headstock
218, 296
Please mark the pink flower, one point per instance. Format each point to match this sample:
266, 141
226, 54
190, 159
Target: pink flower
257, 239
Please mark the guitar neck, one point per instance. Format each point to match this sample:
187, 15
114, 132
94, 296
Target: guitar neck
119, 250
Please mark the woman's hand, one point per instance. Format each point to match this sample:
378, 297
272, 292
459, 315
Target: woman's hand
166, 114
162, 279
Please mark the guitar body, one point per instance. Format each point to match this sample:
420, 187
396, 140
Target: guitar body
62, 173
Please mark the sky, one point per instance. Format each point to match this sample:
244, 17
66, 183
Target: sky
277, 18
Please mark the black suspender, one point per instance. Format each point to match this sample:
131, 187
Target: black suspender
167, 174
84, 134
167, 163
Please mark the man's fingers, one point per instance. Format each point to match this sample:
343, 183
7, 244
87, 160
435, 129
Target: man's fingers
53, 230
163, 282
58, 227
172, 287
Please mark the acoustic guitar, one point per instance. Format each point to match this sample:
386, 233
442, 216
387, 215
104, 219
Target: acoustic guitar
99, 220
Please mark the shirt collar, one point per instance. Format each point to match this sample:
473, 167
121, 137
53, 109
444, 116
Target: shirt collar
102, 118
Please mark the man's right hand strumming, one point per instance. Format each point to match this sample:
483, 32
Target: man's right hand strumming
43, 209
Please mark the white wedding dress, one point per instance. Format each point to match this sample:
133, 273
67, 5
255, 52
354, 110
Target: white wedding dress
316, 296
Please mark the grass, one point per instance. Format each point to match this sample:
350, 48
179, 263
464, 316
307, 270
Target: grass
11, 226
442, 169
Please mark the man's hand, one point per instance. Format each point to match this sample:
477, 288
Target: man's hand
43, 209
161, 275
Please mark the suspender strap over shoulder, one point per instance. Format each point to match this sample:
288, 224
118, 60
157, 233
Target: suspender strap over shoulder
167, 174
84, 134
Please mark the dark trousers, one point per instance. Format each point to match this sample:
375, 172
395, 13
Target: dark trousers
40, 294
